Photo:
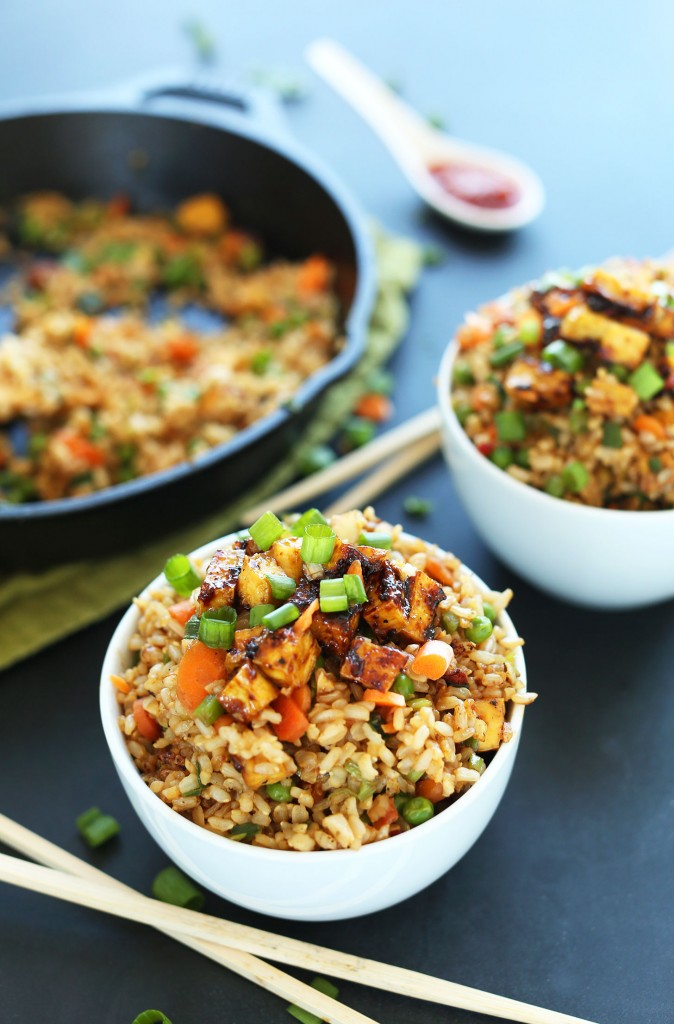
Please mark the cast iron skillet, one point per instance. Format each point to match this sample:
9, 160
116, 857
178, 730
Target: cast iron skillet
196, 138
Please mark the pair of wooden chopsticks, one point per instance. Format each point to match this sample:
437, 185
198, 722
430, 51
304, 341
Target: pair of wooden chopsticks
396, 453
238, 946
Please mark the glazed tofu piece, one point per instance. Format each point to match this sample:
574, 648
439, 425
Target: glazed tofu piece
424, 596
287, 657
335, 632
287, 554
254, 587
628, 287
374, 666
240, 649
617, 342
219, 587
247, 693
388, 607
532, 385
606, 396
492, 712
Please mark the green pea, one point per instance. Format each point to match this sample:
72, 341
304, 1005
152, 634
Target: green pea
463, 375
417, 810
489, 611
575, 476
400, 799
403, 684
502, 456
480, 629
450, 622
279, 791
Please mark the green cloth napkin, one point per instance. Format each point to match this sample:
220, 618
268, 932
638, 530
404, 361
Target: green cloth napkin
72, 596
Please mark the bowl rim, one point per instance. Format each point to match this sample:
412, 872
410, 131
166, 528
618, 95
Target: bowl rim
586, 513
501, 762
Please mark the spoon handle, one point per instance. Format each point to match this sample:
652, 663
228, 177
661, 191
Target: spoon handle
404, 133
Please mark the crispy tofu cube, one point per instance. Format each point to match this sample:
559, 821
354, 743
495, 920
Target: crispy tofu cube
240, 649
253, 584
533, 385
424, 596
287, 657
219, 587
606, 396
617, 342
257, 772
374, 666
247, 693
335, 632
492, 712
388, 607
342, 557
287, 553
627, 286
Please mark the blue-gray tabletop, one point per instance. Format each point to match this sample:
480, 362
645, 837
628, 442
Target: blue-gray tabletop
566, 900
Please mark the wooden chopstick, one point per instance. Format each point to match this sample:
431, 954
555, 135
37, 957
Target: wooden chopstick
350, 466
208, 934
69, 870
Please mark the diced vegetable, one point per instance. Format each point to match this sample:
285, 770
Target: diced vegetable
318, 543
433, 659
258, 612
375, 539
417, 507
555, 486
575, 476
147, 726
294, 723
354, 588
479, 630
612, 435
563, 356
192, 627
430, 790
216, 627
181, 575
199, 666
502, 456
462, 375
510, 425
172, 886
417, 810
96, 828
243, 832
506, 353
312, 517
182, 611
387, 699
375, 407
333, 596
450, 622
210, 710
403, 684
279, 791
646, 381
326, 987
319, 457
282, 586
282, 616
151, 1017
649, 425
489, 611
266, 530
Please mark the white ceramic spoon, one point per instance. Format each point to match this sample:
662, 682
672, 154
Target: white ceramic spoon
417, 147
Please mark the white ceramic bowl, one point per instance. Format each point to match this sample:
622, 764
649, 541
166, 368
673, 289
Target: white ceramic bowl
322, 885
597, 557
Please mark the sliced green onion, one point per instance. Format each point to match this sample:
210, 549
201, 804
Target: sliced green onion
655, 464
303, 1016
258, 612
503, 334
151, 1017
471, 742
282, 586
315, 459
646, 381
172, 886
563, 356
529, 332
416, 703
462, 375
502, 456
266, 530
282, 616
209, 710
510, 425
240, 833
191, 631
181, 575
375, 539
354, 589
555, 486
418, 507
450, 622
279, 791
216, 628
575, 476
312, 517
403, 684
259, 364
476, 763
359, 431
353, 769
612, 435
506, 353
334, 604
414, 776
621, 372
578, 417
318, 543
365, 792
96, 828
332, 595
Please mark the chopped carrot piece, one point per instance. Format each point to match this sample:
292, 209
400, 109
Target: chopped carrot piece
80, 447
430, 789
119, 206
649, 425
376, 407
314, 275
147, 726
433, 659
222, 720
182, 611
294, 723
383, 811
82, 331
302, 624
199, 666
475, 331
439, 572
355, 569
390, 699
183, 349
302, 697
121, 684
274, 314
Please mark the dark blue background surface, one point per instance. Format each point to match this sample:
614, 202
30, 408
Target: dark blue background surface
566, 900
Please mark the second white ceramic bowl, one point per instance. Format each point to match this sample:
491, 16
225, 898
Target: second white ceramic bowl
321, 885
597, 557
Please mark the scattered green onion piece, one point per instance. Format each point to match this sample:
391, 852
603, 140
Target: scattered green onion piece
563, 356
476, 763
96, 828
359, 431
669, 349
479, 630
279, 791
240, 833
266, 530
415, 776
403, 684
216, 628
417, 810
209, 710
181, 575
646, 381
151, 1017
315, 459
506, 353
354, 589
172, 886
312, 517
281, 616
510, 425
318, 543
418, 507
578, 417
502, 456
612, 435
529, 332
303, 1016
365, 792
450, 622
503, 335
259, 364
282, 586
655, 464
339, 603
416, 703
332, 595
462, 374
354, 770
326, 987
521, 458
36, 444
555, 486
489, 611
191, 631
471, 742
375, 540
257, 614
575, 477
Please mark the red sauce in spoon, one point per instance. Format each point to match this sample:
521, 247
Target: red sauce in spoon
478, 186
